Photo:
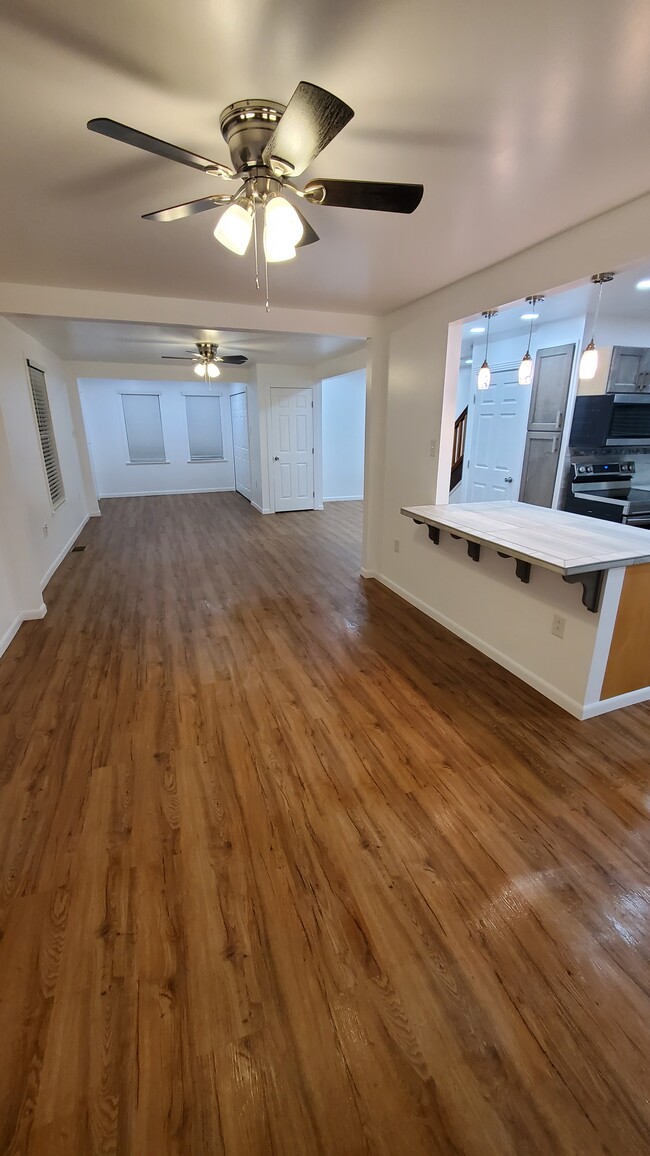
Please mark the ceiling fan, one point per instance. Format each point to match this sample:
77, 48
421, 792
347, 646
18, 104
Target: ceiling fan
271, 143
206, 359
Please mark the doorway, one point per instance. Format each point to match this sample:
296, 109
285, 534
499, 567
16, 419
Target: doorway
240, 444
498, 429
292, 441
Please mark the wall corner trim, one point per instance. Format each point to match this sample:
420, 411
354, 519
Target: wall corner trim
26, 616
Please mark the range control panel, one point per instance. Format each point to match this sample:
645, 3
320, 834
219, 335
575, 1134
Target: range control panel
602, 471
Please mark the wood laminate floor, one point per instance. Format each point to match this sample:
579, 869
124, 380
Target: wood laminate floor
285, 868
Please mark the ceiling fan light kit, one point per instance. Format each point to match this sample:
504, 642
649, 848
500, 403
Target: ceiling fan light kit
206, 358
270, 143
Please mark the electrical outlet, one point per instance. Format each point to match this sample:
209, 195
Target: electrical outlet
45, 530
396, 546
557, 626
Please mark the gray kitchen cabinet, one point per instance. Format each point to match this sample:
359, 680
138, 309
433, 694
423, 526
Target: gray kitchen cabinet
550, 387
629, 371
540, 467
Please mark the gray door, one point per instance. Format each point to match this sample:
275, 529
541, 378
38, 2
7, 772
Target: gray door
540, 467
551, 387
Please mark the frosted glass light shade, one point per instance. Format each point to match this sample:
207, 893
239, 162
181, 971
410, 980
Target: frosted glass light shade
281, 221
277, 247
588, 362
526, 370
199, 369
235, 228
213, 369
484, 375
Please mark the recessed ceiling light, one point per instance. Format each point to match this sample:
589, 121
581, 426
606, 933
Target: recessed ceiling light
645, 284
468, 361
478, 329
529, 316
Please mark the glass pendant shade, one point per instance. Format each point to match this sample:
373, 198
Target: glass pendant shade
483, 379
526, 369
213, 369
588, 362
234, 229
199, 369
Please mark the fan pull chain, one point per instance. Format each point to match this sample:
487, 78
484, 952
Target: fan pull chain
257, 263
266, 278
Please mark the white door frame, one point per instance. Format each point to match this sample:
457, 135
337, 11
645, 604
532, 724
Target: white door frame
241, 393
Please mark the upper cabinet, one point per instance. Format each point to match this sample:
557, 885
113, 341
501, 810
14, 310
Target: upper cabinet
629, 370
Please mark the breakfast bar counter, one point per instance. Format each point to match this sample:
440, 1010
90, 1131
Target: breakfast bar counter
609, 658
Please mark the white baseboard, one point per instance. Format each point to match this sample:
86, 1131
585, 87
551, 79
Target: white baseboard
166, 493
259, 508
346, 498
27, 616
572, 706
368, 573
592, 709
62, 553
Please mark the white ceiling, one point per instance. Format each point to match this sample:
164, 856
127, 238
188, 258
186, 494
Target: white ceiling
520, 118
128, 343
620, 299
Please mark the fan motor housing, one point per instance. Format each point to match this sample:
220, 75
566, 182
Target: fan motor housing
246, 127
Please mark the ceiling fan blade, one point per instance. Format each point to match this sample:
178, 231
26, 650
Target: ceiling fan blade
151, 144
312, 118
233, 359
176, 212
378, 195
309, 235
172, 357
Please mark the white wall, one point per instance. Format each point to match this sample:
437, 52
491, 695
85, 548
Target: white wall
344, 428
117, 477
409, 409
28, 556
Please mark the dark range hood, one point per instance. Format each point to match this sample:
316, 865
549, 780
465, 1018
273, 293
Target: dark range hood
611, 419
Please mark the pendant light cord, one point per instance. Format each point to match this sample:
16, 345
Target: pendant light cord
600, 293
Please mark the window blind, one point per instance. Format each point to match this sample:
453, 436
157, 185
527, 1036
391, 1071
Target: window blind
46, 435
144, 432
204, 427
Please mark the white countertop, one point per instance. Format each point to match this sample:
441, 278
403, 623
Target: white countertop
566, 543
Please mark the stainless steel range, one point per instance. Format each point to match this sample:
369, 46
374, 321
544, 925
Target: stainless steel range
605, 489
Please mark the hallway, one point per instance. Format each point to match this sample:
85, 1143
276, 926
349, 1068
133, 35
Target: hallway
286, 868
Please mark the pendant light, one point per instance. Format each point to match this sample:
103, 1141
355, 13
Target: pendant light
483, 379
589, 359
527, 364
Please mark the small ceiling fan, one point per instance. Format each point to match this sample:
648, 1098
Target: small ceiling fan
206, 359
269, 144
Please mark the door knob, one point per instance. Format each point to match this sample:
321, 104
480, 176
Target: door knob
276, 459
507, 479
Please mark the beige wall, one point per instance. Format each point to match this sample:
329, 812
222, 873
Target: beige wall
408, 408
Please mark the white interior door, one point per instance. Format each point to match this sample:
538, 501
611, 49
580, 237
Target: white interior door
292, 465
498, 437
240, 447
